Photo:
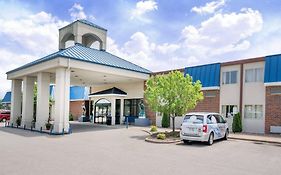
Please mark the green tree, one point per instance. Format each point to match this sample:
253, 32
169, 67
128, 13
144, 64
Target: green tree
237, 123
173, 94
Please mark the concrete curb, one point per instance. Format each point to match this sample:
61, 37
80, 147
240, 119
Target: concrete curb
148, 139
254, 140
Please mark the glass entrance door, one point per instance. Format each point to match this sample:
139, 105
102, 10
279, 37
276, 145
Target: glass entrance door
102, 111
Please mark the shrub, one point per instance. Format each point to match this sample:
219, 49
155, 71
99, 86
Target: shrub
165, 121
153, 128
48, 126
70, 117
161, 136
18, 121
237, 123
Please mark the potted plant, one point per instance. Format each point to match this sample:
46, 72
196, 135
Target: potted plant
18, 121
48, 124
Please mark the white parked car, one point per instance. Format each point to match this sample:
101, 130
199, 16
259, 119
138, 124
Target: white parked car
204, 127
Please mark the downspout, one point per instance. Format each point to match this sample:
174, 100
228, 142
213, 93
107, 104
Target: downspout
241, 88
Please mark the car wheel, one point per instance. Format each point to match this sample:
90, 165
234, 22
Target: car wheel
186, 142
226, 135
211, 139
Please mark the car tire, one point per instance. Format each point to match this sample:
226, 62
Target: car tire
226, 135
186, 142
211, 139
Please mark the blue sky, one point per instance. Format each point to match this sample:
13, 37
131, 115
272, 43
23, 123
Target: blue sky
156, 34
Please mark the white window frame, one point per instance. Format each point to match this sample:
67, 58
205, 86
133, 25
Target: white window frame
227, 77
254, 75
230, 113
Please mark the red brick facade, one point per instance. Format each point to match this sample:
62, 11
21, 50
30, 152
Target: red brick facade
272, 109
75, 108
210, 103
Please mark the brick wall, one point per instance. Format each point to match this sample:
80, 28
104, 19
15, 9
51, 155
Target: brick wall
210, 103
272, 109
149, 113
75, 109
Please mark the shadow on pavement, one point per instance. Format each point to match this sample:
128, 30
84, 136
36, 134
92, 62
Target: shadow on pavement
198, 144
22, 132
76, 127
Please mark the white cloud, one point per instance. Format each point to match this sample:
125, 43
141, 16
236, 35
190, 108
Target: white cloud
30, 30
209, 7
214, 38
77, 12
24, 39
222, 33
143, 7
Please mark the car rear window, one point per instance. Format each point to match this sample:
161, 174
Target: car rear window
196, 119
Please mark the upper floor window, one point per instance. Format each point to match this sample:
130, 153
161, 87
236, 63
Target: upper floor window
229, 77
254, 75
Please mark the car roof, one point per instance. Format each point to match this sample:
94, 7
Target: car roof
202, 113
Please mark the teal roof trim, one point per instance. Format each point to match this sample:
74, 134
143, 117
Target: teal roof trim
91, 24
90, 55
87, 23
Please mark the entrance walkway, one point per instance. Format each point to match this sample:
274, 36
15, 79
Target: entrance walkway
78, 127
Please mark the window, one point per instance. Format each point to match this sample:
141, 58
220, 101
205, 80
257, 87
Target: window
219, 119
253, 112
275, 91
254, 75
228, 110
229, 77
131, 107
195, 119
211, 119
210, 94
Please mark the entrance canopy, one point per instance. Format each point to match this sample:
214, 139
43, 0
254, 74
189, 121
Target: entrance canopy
88, 67
109, 92
75, 65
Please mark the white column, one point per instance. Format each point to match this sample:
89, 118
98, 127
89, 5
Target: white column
62, 100
78, 39
43, 93
27, 101
15, 101
122, 111
113, 101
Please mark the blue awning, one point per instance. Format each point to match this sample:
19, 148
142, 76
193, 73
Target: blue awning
272, 72
7, 98
78, 93
209, 74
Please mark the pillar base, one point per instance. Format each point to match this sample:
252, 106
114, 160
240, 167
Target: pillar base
60, 127
40, 124
27, 123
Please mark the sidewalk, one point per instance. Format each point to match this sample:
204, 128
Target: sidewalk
269, 138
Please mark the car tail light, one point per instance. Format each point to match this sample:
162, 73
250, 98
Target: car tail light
205, 128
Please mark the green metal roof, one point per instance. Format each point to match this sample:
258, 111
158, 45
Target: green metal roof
90, 55
87, 23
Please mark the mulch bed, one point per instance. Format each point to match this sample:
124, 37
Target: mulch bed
170, 137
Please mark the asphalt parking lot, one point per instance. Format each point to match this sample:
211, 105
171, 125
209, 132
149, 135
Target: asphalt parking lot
116, 150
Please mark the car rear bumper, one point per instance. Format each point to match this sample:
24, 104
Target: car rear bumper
202, 138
